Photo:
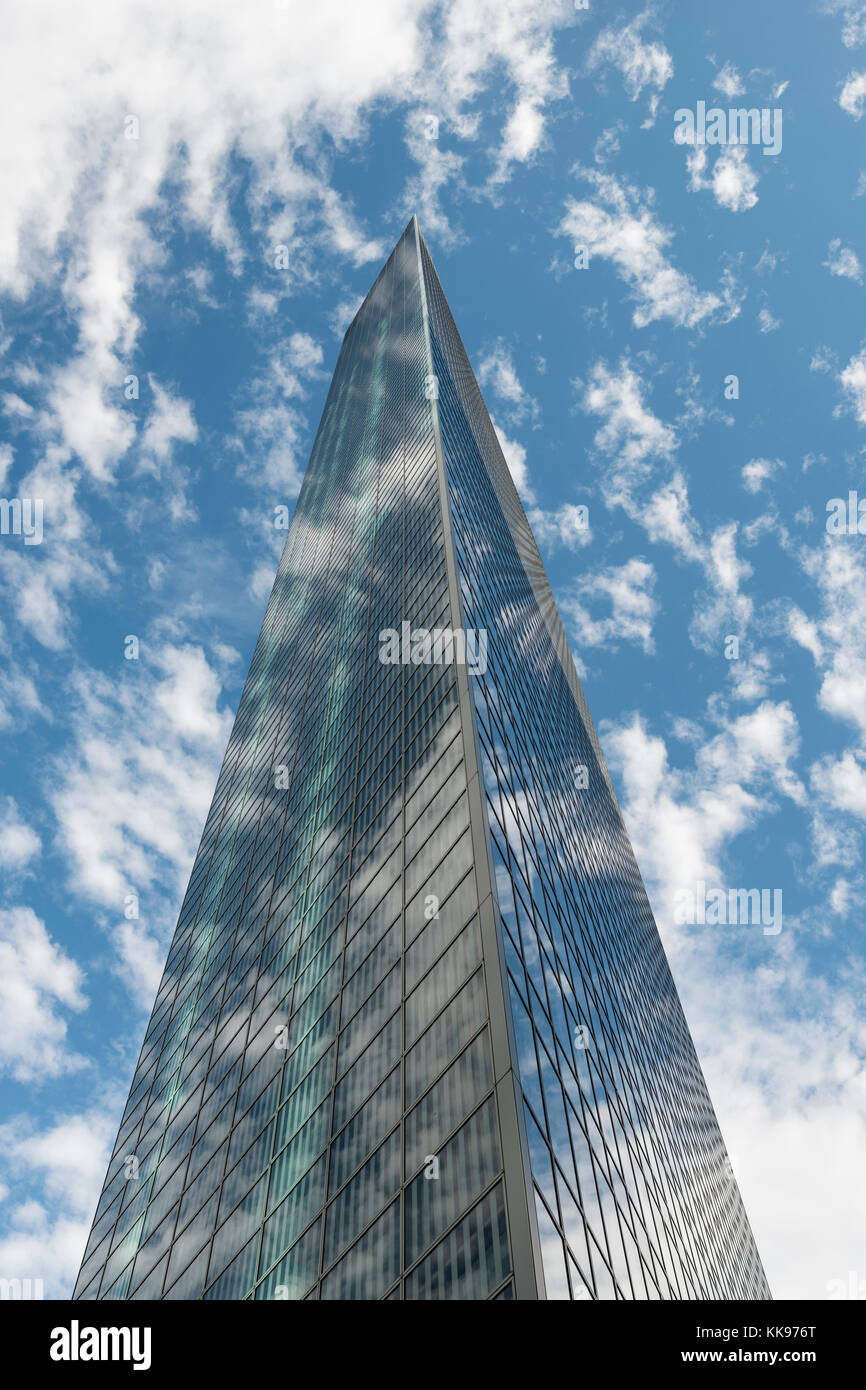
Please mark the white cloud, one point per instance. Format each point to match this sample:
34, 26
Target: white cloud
483, 37
620, 226
837, 636
497, 373
188, 693
38, 983
240, 83
751, 677
88, 211
723, 609
522, 135
629, 590
515, 457
201, 280
262, 581
728, 81
638, 447
271, 432
666, 516
842, 260
15, 407
804, 632
767, 261
854, 13
475, 40
19, 700
733, 179
566, 525
781, 1046
40, 580
823, 360
678, 839
345, 236
758, 471
841, 783
639, 475
131, 797
757, 747
642, 64
304, 353
6, 456
170, 422
341, 316
437, 168
85, 411
766, 322
139, 786
843, 896
607, 146
852, 97
38, 589
852, 379
140, 960
631, 435
53, 1178
19, 842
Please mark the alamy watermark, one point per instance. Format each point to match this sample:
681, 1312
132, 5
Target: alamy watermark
737, 126
846, 516
77, 1343
21, 1290
22, 516
852, 1287
696, 906
438, 646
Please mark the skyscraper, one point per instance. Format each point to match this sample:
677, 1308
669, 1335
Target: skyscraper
417, 1036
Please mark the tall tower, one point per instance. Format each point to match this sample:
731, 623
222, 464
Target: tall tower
417, 1036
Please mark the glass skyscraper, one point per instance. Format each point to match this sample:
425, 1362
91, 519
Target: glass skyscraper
417, 1037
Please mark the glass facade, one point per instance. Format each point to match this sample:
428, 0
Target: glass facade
416, 1037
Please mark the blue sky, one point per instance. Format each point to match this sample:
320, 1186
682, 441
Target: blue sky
214, 247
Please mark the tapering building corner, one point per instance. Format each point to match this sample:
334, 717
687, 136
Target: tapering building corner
417, 1036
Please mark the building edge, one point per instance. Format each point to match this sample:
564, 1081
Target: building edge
519, 1196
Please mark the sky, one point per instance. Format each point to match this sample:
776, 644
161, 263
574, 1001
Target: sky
668, 333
